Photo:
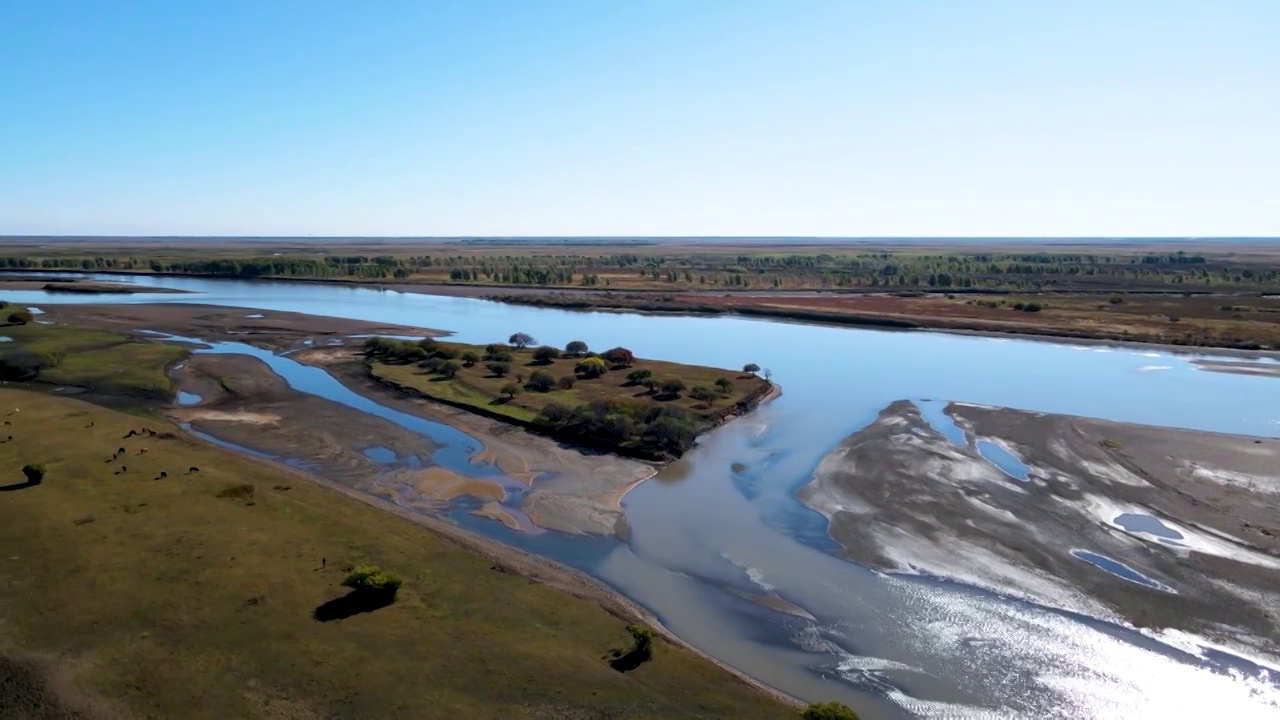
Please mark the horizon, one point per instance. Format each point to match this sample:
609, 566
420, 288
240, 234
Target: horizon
752, 119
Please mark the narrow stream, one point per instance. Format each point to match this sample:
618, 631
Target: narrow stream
722, 526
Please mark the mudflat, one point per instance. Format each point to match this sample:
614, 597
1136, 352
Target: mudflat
1162, 528
266, 328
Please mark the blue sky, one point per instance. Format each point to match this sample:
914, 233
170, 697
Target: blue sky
646, 117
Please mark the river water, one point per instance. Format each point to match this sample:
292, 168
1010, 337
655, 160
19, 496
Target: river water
722, 524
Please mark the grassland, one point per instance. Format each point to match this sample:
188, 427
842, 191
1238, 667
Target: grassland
175, 598
100, 361
438, 372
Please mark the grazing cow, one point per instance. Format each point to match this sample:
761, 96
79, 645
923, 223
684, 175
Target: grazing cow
164, 474
121, 451
143, 451
6, 422
90, 424
194, 469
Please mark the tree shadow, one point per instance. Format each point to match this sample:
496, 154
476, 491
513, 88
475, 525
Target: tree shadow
18, 486
353, 603
630, 661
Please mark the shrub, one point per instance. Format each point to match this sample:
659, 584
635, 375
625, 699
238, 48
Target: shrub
237, 491
702, 394
637, 377
566, 382
751, 368
540, 381
493, 349
431, 364
673, 387
521, 340
444, 353
724, 385
1116, 300
500, 356
591, 368
511, 390
543, 355
373, 580
619, 356
470, 358
829, 711
575, 348
34, 473
449, 368
650, 383
1032, 307
499, 368
21, 317
428, 345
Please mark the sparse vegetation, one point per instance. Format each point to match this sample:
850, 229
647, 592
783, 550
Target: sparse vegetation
240, 491
828, 711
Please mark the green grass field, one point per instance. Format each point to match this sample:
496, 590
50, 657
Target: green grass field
480, 387
96, 360
174, 602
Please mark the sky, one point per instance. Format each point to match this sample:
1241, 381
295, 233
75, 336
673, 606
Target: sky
640, 118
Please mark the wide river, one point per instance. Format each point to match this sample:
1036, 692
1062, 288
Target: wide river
723, 524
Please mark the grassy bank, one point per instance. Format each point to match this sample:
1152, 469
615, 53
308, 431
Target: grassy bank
97, 360
631, 405
174, 597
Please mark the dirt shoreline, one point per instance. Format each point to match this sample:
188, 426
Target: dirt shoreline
1192, 518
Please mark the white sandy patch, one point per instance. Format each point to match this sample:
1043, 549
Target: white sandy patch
251, 418
1256, 483
1193, 539
1154, 368
1111, 472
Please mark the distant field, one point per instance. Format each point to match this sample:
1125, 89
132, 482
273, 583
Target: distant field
717, 265
193, 594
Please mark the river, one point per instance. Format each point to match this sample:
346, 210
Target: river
723, 523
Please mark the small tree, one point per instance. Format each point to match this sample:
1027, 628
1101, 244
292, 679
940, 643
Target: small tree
511, 390
575, 348
521, 340
449, 368
591, 368
499, 369
544, 354
643, 639
428, 345
34, 473
673, 387
724, 385
651, 383
751, 368
637, 377
829, 711
373, 580
619, 356
768, 375
541, 381
492, 349
566, 382
470, 357
21, 317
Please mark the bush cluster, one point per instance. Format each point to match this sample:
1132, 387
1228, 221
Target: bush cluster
645, 427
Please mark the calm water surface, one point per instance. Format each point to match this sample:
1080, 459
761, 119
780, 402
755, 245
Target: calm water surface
723, 523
